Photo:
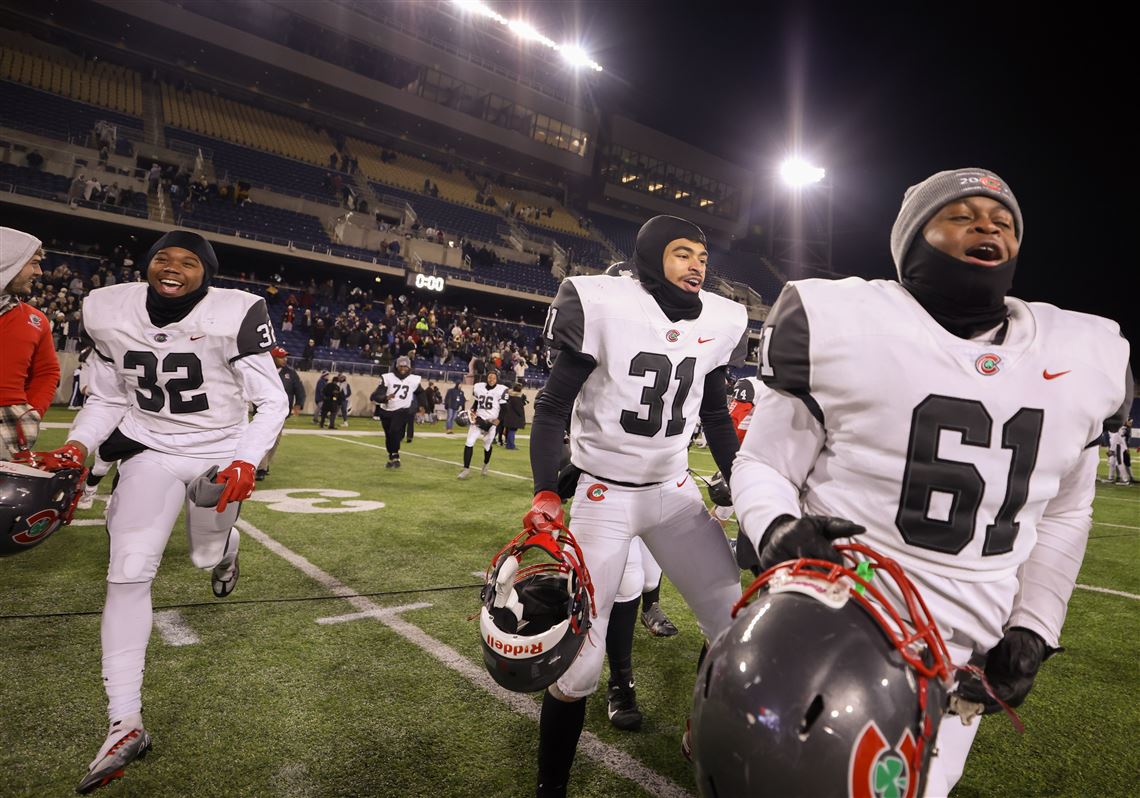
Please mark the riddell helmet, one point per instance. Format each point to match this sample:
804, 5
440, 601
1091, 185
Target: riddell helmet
35, 503
820, 687
535, 618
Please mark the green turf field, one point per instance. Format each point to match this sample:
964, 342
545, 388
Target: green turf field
271, 701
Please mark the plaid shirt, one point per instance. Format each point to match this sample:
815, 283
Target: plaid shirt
13, 420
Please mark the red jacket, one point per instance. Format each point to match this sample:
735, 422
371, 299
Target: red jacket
29, 369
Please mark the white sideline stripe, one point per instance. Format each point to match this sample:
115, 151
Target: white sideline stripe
1132, 596
89, 522
378, 614
425, 457
614, 760
174, 630
1115, 526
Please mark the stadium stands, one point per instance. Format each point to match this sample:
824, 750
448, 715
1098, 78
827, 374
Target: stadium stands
283, 175
586, 251
448, 216
622, 234
51, 115
266, 220
409, 172
242, 124
101, 84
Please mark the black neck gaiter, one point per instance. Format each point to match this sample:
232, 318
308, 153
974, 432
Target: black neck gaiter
167, 310
648, 258
964, 298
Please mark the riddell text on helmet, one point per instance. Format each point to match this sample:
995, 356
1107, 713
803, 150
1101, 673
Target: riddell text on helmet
512, 650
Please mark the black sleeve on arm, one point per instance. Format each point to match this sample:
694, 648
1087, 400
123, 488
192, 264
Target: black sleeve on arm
552, 414
1117, 419
717, 423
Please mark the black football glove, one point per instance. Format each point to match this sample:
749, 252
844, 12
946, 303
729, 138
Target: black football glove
788, 538
719, 492
1011, 666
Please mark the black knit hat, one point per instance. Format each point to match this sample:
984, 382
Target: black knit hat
191, 241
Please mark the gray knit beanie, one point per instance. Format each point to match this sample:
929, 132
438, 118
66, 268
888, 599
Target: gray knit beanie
922, 201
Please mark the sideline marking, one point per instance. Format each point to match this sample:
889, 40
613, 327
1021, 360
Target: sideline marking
1110, 592
173, 629
379, 614
425, 457
616, 761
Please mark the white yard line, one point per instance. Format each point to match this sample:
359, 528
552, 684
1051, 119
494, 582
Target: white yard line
1115, 526
404, 452
1132, 596
613, 759
174, 630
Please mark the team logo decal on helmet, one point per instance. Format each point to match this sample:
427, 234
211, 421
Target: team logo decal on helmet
672, 336
535, 617
822, 685
596, 492
877, 770
987, 364
34, 503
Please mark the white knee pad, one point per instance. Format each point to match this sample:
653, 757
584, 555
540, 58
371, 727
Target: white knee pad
133, 561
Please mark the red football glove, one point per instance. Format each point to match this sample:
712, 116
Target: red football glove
67, 456
545, 512
238, 477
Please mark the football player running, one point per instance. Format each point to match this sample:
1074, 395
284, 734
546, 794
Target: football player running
957, 424
397, 397
487, 399
640, 361
176, 363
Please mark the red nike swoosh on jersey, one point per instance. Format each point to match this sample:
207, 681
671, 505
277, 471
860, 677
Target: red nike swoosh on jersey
1045, 373
704, 340
196, 337
683, 481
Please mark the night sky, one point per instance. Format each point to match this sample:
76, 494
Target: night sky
885, 95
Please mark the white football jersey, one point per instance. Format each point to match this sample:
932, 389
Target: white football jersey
402, 391
182, 388
636, 412
947, 450
488, 401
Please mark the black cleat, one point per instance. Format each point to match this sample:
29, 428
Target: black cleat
622, 706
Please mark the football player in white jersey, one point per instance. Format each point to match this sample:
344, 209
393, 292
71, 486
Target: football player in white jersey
398, 396
176, 364
487, 399
956, 424
640, 361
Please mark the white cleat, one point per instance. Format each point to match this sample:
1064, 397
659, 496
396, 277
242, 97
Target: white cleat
464, 473
126, 741
486, 469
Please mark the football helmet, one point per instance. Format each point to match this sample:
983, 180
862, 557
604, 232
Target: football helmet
34, 503
535, 618
462, 418
821, 686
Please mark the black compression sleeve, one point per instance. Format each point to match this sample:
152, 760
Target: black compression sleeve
717, 423
552, 415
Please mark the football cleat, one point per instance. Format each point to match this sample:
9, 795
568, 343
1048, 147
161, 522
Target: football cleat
657, 622
224, 577
126, 741
87, 499
464, 473
621, 706
261, 474
396, 463
390, 464
486, 469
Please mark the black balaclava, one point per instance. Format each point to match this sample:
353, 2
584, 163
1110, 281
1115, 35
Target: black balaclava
964, 298
648, 259
167, 310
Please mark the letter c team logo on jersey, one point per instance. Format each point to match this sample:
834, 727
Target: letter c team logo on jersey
596, 492
987, 364
878, 771
672, 336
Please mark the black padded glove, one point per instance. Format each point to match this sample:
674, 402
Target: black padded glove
1011, 666
788, 538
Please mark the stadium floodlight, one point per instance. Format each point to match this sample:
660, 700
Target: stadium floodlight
797, 172
573, 54
525, 30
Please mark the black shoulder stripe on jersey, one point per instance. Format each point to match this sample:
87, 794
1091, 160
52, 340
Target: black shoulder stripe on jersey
566, 320
740, 353
256, 331
102, 357
786, 366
